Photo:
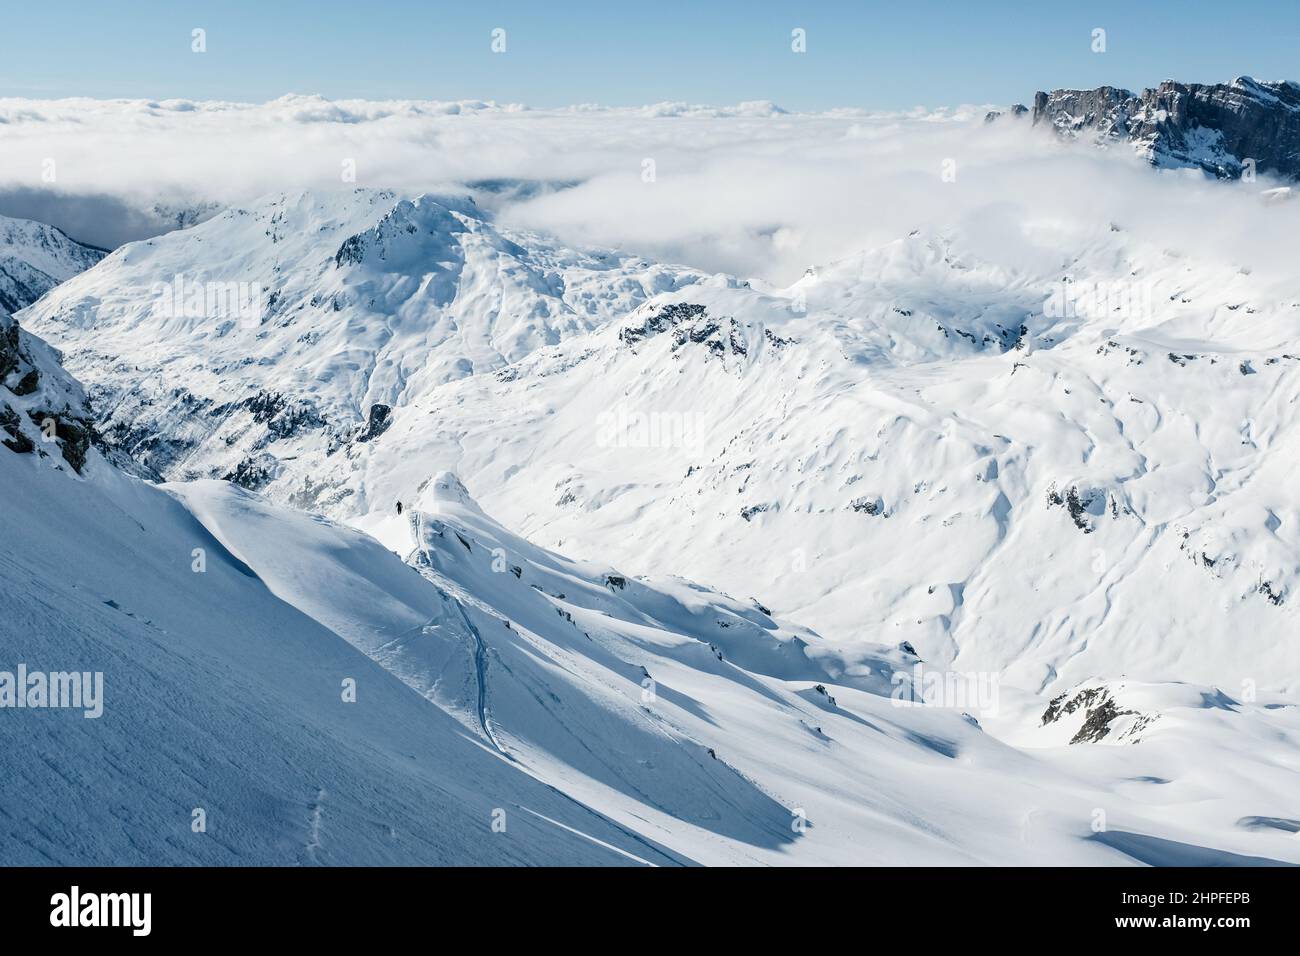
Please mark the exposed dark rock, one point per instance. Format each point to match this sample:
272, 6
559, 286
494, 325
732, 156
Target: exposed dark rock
1100, 710
283, 417
1080, 504
10, 346
1266, 588
1016, 111
11, 425
868, 505
377, 422
1097, 724
351, 252
265, 406
74, 435
252, 473
666, 318
1215, 127
28, 383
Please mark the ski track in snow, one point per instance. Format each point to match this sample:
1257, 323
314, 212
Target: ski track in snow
480, 673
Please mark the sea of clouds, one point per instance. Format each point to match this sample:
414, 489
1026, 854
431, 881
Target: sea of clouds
751, 189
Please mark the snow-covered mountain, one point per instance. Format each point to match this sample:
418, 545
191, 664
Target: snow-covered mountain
34, 258
311, 318
1217, 127
222, 706
1051, 473
278, 688
970, 513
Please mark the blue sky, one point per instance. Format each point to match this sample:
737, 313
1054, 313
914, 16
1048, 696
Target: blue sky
885, 55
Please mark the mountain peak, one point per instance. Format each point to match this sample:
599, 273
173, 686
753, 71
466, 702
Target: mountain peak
445, 486
34, 258
1228, 130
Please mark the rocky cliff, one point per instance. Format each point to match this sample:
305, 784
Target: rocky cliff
1219, 127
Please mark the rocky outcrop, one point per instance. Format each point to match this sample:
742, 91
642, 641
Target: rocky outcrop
73, 432
1017, 110
11, 357
377, 422
253, 473
1225, 129
55, 408
693, 327
11, 426
661, 320
1100, 710
868, 505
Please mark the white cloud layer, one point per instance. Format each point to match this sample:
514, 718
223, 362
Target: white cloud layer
748, 189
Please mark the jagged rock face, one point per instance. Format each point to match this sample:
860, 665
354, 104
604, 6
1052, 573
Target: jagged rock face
42, 409
1216, 127
1100, 713
1018, 110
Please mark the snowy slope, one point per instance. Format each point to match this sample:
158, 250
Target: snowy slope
710, 728
610, 719
1108, 499
1041, 444
1102, 495
1052, 466
220, 696
34, 258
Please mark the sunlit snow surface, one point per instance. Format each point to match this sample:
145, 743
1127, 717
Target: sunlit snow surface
907, 458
